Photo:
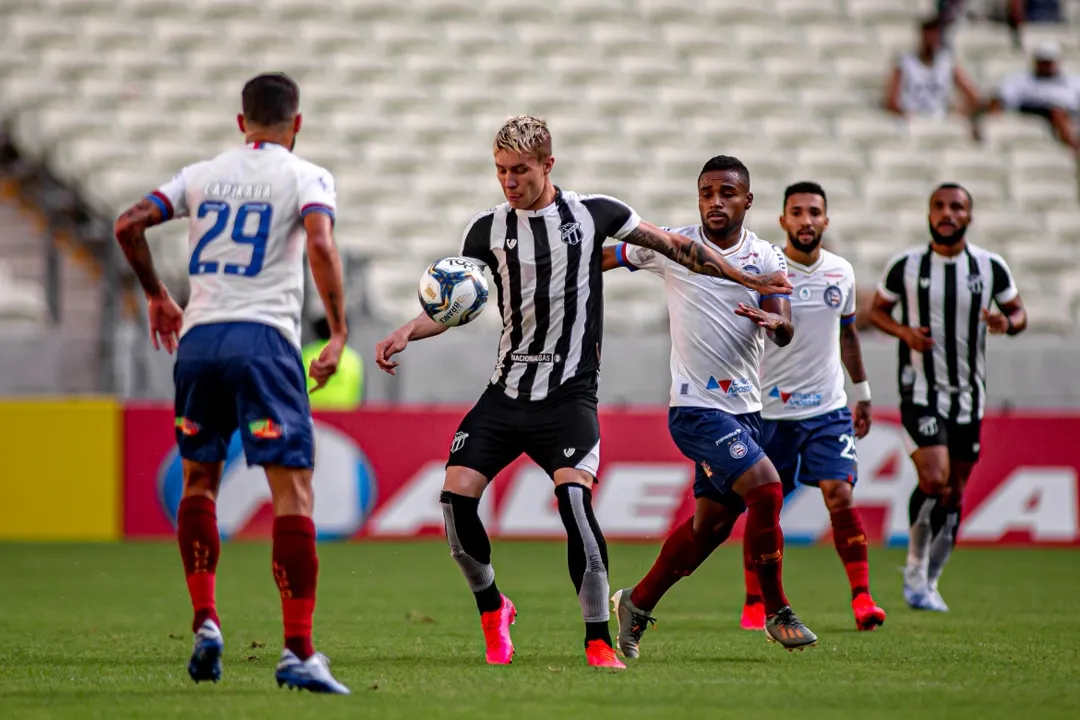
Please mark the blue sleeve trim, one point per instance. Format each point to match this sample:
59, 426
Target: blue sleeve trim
775, 295
847, 319
325, 209
622, 259
163, 206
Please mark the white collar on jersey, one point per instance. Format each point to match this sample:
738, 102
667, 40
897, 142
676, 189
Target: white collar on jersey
799, 266
730, 251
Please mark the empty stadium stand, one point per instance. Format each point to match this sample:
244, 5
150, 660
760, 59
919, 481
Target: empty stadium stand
401, 100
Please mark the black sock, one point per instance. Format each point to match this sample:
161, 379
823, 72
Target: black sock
470, 547
918, 498
586, 557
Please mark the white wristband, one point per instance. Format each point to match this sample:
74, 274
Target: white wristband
861, 391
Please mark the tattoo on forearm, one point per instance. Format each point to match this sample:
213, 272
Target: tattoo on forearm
333, 308
131, 234
851, 354
695, 256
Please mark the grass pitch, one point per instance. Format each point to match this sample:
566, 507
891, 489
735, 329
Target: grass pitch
103, 631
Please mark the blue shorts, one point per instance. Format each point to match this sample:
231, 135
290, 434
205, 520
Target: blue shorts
722, 446
811, 450
248, 376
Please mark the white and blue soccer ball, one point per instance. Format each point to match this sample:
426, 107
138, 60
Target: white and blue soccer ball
453, 291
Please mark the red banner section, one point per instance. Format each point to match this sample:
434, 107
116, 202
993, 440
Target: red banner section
379, 473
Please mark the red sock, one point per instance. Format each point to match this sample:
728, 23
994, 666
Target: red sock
200, 548
850, 541
682, 554
753, 587
765, 542
296, 570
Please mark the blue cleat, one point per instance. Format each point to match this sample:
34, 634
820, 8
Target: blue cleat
205, 663
918, 598
312, 674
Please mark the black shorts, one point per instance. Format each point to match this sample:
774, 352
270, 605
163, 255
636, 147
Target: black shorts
560, 431
928, 428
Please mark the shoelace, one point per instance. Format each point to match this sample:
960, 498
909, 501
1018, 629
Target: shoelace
640, 623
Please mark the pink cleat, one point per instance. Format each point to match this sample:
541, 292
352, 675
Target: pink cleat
753, 617
599, 654
867, 614
496, 626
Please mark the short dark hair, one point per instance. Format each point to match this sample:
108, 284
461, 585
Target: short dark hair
807, 188
956, 186
932, 23
271, 99
721, 163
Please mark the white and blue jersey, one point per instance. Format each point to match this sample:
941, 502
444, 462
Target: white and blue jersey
808, 429
714, 416
238, 364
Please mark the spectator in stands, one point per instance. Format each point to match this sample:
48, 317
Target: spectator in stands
922, 82
1034, 11
345, 390
1045, 91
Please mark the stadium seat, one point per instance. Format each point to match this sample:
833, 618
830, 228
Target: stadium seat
1064, 226
1045, 196
1007, 132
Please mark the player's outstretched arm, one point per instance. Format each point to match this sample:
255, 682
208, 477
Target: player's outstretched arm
774, 315
851, 356
418, 328
610, 260
326, 270
165, 316
702, 259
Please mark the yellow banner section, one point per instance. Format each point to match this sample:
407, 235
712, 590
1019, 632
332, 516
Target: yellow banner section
62, 480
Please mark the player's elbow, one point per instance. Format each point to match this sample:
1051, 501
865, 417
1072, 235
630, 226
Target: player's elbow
124, 230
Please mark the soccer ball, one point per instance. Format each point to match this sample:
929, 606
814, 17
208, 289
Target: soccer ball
453, 291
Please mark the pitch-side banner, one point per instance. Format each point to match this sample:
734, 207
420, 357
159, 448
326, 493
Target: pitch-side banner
379, 473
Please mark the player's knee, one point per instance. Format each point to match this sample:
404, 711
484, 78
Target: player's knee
291, 491
201, 479
837, 495
933, 479
464, 481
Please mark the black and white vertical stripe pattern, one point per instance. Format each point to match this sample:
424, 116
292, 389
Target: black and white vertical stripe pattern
947, 295
548, 279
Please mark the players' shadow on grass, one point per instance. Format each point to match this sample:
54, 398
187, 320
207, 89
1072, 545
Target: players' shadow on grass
75, 694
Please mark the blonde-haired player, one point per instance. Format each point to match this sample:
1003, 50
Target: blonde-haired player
544, 247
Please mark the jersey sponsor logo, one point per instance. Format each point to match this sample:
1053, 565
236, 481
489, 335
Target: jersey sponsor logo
535, 358
265, 429
708, 470
837, 275
343, 480
907, 376
928, 426
797, 400
737, 449
571, 234
459, 441
975, 284
730, 388
805, 293
833, 296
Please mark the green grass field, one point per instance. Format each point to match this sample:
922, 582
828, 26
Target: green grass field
102, 631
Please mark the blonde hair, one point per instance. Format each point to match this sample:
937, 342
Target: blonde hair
525, 134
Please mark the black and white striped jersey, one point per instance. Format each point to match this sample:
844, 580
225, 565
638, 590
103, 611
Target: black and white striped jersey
549, 284
947, 295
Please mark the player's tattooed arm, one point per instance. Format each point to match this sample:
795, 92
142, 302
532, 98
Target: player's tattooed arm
701, 259
130, 231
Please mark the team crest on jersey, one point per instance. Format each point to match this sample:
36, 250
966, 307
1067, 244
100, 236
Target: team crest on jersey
510, 243
804, 293
187, 427
571, 234
833, 296
752, 269
975, 284
928, 426
458, 441
265, 429
737, 450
